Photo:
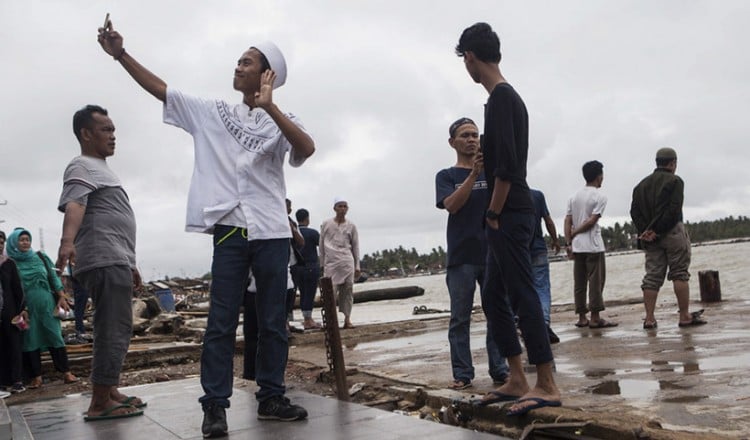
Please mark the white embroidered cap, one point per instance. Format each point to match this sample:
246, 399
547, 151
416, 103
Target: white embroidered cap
275, 59
337, 200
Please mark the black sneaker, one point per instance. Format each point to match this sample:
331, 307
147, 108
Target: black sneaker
214, 421
279, 408
553, 338
17, 388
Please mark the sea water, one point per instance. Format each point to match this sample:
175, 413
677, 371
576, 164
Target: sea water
623, 280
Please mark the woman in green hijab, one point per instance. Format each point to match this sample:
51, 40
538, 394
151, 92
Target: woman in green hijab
44, 296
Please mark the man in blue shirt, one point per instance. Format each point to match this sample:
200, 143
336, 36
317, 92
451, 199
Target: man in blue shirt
462, 191
309, 273
539, 259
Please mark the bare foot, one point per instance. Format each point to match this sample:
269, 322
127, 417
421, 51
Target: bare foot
117, 396
513, 387
310, 324
69, 378
35, 382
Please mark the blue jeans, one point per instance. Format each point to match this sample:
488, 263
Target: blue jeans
233, 256
540, 270
80, 298
509, 282
462, 281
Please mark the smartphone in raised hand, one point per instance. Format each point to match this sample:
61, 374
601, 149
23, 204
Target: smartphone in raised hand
107, 23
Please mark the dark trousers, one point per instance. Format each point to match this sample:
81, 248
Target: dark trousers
111, 289
80, 298
233, 256
32, 361
250, 331
291, 295
307, 281
10, 354
509, 281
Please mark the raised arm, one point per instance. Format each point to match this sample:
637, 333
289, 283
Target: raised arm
111, 41
302, 144
454, 202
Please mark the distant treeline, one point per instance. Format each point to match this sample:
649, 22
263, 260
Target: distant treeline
401, 261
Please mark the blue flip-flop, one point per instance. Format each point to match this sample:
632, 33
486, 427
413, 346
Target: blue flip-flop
494, 397
538, 403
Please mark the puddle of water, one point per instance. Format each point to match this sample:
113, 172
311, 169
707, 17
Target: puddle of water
644, 390
738, 361
627, 388
564, 365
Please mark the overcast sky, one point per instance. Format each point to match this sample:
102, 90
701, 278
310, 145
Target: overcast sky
377, 84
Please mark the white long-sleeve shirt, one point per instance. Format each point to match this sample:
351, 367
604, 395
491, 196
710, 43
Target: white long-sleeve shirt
339, 250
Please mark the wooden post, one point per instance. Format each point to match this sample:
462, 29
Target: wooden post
708, 280
335, 354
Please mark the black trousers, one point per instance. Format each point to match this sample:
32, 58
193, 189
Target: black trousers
32, 361
11, 362
250, 331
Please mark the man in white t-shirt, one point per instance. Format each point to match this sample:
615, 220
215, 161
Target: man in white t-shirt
237, 193
586, 247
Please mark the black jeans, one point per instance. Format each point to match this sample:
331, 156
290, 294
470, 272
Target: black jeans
509, 281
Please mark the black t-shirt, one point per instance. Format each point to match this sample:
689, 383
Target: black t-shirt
465, 236
310, 249
506, 146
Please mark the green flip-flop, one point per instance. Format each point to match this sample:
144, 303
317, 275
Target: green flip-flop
107, 414
130, 399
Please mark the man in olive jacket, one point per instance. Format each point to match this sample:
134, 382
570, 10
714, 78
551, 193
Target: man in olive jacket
656, 211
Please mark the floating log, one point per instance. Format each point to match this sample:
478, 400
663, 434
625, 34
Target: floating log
378, 295
390, 293
710, 287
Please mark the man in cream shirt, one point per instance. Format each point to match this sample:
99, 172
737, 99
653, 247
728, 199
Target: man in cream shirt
339, 257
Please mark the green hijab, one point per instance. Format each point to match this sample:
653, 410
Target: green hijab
12, 249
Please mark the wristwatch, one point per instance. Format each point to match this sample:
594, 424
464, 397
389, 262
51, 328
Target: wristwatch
491, 215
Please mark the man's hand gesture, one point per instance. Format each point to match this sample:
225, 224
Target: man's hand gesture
478, 163
264, 97
110, 40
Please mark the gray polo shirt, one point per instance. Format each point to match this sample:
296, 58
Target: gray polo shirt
107, 234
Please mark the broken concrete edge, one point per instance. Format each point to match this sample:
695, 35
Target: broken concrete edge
493, 418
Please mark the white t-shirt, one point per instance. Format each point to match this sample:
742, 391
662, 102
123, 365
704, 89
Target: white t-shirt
586, 202
238, 174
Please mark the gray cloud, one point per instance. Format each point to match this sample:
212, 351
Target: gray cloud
377, 84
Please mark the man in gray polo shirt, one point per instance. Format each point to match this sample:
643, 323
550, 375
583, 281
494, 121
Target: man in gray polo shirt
98, 242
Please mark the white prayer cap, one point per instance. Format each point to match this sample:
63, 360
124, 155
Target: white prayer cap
275, 60
338, 199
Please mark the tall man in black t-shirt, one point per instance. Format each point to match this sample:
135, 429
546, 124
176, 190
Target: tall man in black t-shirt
462, 191
509, 227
